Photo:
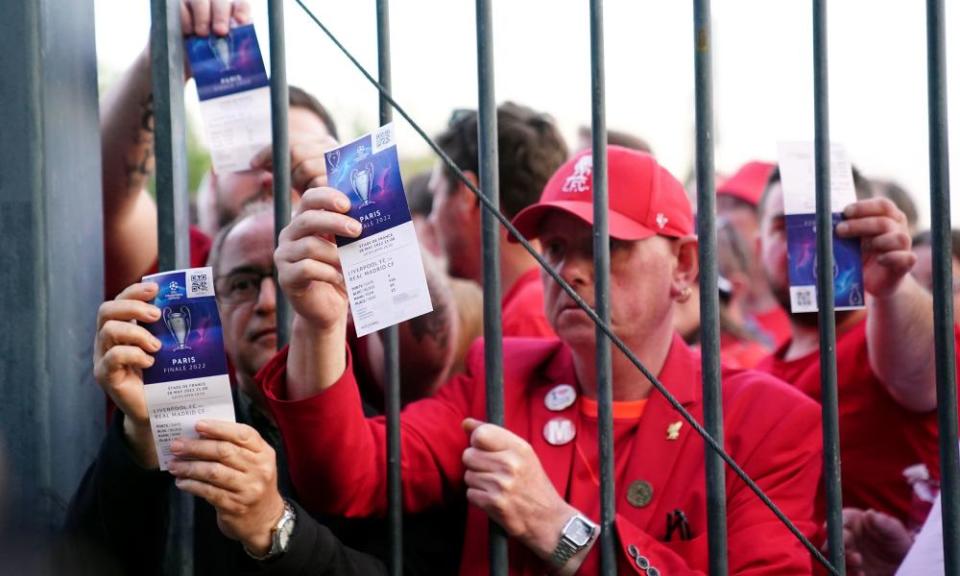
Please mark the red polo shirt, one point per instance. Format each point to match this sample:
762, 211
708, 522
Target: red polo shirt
775, 323
522, 308
878, 437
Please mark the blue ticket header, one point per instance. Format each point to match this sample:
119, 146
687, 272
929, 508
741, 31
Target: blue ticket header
189, 328
224, 65
367, 170
802, 259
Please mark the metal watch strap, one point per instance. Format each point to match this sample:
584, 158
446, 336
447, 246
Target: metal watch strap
564, 551
289, 515
566, 546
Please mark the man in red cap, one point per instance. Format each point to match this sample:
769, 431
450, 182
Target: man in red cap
538, 475
738, 198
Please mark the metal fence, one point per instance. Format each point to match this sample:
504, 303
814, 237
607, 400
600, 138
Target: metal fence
172, 199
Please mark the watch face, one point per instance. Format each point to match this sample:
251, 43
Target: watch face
284, 532
579, 532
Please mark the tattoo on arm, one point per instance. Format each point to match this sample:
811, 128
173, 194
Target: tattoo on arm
140, 161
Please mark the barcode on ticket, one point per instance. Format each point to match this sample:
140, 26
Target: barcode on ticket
200, 283
803, 298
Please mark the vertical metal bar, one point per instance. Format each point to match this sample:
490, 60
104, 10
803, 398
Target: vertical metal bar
825, 296
391, 338
601, 263
709, 293
279, 102
166, 52
490, 187
942, 287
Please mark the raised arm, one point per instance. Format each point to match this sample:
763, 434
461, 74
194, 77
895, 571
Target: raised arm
337, 456
309, 271
899, 311
127, 145
427, 343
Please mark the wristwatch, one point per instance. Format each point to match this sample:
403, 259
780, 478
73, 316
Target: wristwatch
576, 535
279, 535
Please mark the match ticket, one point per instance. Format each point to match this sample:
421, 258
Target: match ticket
189, 380
234, 96
383, 267
798, 177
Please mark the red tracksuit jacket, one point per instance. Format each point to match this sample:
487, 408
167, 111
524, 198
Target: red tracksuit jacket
337, 458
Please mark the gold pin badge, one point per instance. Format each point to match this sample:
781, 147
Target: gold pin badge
639, 493
673, 430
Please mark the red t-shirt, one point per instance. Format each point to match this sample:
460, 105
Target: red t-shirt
775, 323
878, 437
522, 308
740, 354
584, 486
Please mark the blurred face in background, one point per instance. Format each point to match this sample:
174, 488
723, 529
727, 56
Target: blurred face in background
773, 245
923, 272
227, 194
454, 219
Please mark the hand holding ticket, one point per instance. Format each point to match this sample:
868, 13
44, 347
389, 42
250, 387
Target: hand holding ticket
187, 380
234, 95
383, 267
797, 169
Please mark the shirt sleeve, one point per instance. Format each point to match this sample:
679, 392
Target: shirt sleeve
315, 551
337, 457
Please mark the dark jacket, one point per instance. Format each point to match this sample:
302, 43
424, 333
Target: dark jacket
122, 511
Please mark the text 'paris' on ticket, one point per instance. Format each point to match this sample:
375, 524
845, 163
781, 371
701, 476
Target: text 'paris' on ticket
383, 267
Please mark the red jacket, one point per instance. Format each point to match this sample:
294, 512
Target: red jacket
337, 458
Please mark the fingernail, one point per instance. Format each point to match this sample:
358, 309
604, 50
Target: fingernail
173, 467
176, 446
353, 228
156, 344
201, 426
842, 228
343, 204
178, 482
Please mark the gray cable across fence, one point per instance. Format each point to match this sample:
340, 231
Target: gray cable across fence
603, 327
167, 70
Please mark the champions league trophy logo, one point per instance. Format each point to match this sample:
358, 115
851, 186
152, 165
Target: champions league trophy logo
178, 323
334, 160
222, 48
361, 179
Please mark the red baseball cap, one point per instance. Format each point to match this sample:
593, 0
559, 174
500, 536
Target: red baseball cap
644, 199
748, 182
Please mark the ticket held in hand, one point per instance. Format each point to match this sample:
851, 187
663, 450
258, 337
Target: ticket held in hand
383, 267
234, 96
797, 175
189, 381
